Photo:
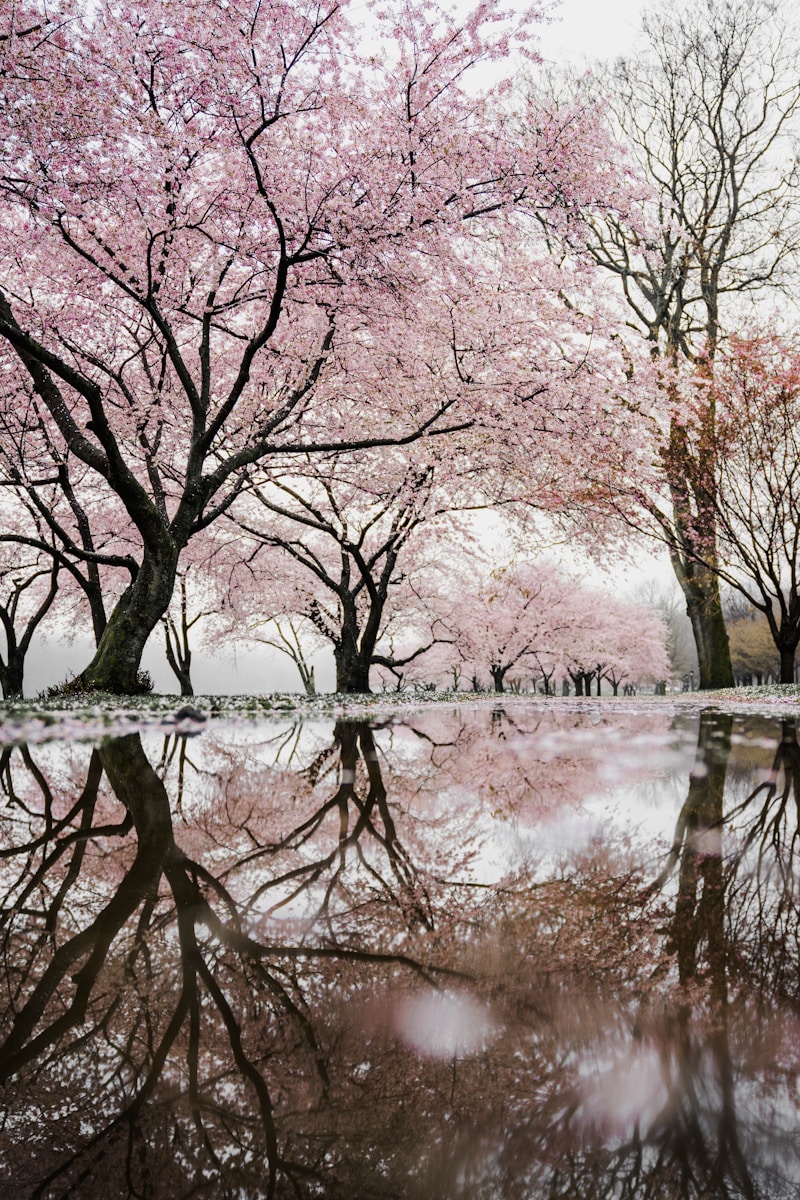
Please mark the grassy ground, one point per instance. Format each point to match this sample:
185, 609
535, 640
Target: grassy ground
97, 715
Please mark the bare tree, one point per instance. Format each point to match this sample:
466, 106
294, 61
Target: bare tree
709, 110
665, 598
284, 635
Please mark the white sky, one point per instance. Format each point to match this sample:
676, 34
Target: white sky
590, 29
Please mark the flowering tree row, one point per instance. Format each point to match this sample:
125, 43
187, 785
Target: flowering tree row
531, 623
232, 239
446, 617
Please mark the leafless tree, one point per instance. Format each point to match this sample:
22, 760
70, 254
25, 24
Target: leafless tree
709, 109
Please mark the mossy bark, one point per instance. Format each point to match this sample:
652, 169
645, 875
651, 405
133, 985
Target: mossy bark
704, 608
117, 662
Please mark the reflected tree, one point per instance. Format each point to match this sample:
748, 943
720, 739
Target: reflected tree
765, 868
161, 1051
717, 1032
373, 965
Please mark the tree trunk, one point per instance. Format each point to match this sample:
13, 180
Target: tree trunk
181, 670
498, 677
700, 587
117, 662
186, 684
352, 664
11, 674
179, 660
693, 549
307, 677
355, 650
704, 609
787, 664
352, 673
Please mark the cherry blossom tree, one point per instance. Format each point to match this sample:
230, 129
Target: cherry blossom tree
633, 648
337, 545
534, 616
211, 216
507, 618
352, 526
617, 641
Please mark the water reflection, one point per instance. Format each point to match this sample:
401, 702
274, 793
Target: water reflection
272, 962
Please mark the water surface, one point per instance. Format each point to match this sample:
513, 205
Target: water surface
546, 951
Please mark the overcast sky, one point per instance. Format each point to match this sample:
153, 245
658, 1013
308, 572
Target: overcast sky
589, 29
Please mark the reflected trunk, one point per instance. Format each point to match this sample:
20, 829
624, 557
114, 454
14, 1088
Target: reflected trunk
698, 937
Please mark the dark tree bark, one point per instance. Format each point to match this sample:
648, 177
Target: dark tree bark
12, 665
116, 664
353, 661
498, 677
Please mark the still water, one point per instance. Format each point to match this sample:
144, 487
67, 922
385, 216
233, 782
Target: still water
539, 951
